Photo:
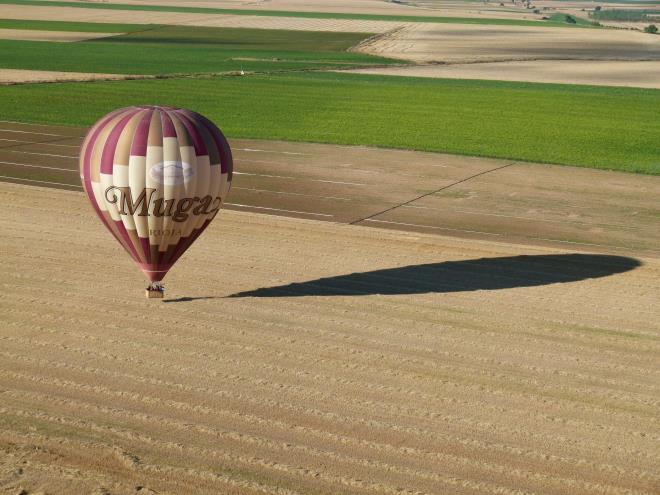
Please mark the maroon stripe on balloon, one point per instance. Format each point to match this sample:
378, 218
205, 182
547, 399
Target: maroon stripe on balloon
168, 126
132, 249
177, 251
126, 244
92, 135
186, 242
144, 242
108, 156
86, 176
119, 225
198, 142
167, 255
141, 137
226, 159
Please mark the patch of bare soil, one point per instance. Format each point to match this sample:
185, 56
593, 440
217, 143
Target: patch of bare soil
425, 42
19, 76
604, 73
61, 36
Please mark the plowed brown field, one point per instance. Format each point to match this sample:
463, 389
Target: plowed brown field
350, 360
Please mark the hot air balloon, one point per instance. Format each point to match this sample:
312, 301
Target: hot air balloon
156, 177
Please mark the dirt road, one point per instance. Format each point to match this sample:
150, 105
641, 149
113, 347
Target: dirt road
627, 73
20, 76
55, 36
350, 360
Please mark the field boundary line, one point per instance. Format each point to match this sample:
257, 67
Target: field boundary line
354, 222
40, 181
37, 166
48, 141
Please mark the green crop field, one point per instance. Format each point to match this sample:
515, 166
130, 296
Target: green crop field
578, 20
159, 50
274, 40
279, 13
590, 126
243, 38
626, 15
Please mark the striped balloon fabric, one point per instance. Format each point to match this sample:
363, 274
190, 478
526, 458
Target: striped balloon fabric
156, 177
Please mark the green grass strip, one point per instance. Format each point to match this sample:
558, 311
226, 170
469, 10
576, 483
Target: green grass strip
579, 21
638, 15
270, 40
279, 13
589, 126
191, 50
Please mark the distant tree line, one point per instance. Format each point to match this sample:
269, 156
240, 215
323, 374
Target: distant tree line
623, 15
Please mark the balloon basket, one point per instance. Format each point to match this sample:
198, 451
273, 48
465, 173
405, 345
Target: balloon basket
154, 291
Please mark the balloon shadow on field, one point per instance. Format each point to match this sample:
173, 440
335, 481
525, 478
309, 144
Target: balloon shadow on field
458, 276
188, 299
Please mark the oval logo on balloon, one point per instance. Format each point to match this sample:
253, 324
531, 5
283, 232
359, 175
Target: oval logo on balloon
172, 173
155, 225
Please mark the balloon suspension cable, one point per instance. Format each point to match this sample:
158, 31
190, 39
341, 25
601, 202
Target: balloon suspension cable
155, 290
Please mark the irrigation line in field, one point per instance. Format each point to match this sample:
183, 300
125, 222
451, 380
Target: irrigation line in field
429, 193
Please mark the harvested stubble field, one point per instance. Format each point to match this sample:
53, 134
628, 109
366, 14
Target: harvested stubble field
425, 42
636, 74
607, 57
453, 8
349, 360
462, 12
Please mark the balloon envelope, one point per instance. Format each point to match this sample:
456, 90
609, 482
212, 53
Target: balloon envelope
156, 177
